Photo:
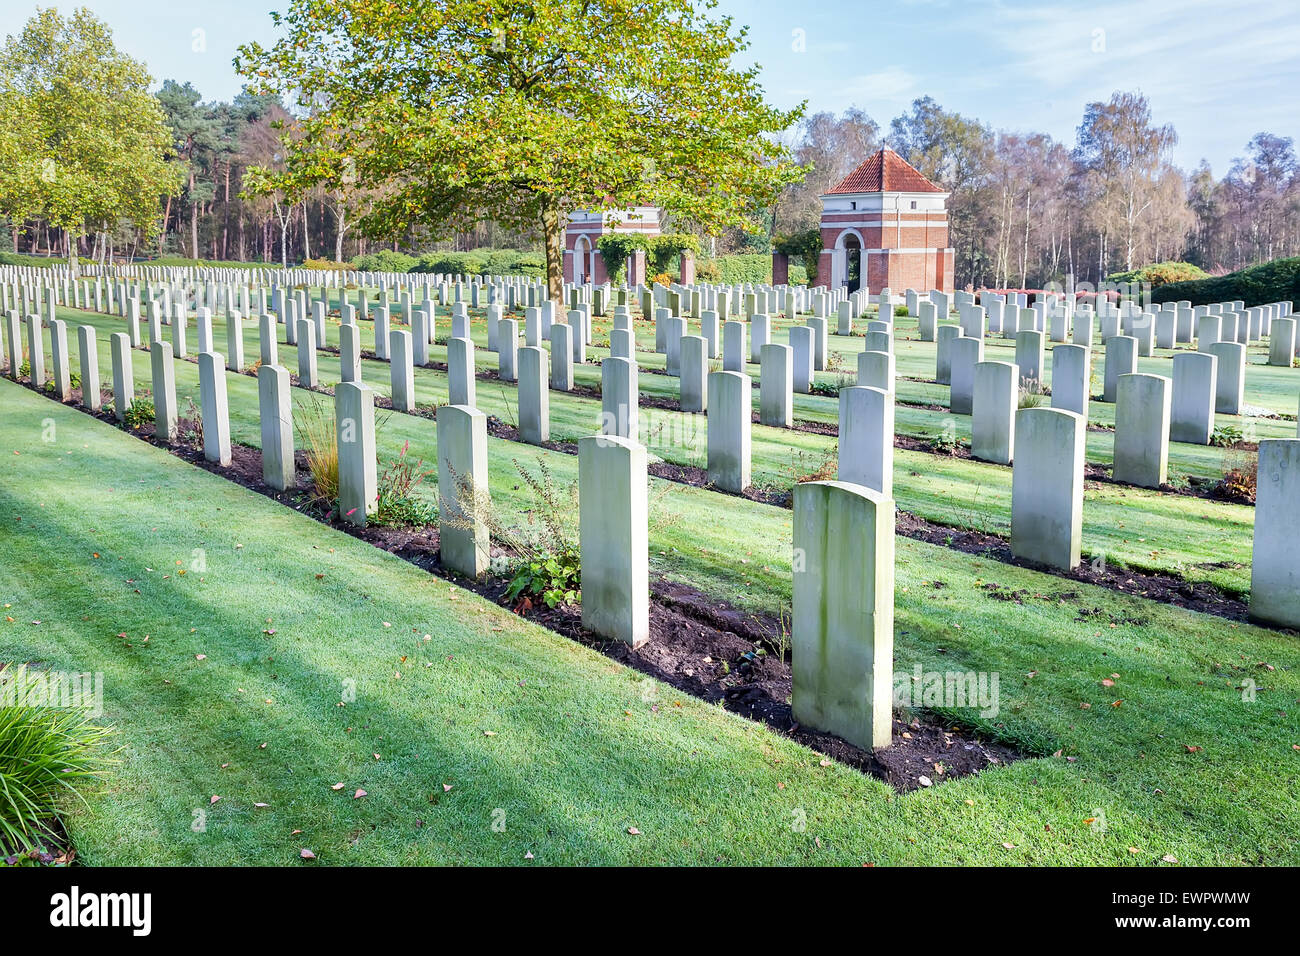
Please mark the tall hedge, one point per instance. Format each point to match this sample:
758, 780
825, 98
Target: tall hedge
1255, 285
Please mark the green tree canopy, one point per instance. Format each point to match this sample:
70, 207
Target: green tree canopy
83, 144
526, 110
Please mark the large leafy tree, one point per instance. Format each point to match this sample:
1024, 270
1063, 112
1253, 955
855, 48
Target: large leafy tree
84, 144
197, 141
450, 111
1123, 157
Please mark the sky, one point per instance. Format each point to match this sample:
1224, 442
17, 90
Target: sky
1218, 70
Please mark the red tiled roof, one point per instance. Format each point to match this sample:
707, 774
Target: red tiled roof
885, 172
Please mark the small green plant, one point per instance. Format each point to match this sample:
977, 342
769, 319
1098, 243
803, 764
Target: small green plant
314, 423
1226, 436
398, 505
1031, 394
900, 311
45, 752
25, 371
193, 422
945, 443
140, 412
542, 556
553, 577
1240, 477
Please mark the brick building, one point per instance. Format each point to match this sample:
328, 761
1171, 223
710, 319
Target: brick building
582, 259
884, 226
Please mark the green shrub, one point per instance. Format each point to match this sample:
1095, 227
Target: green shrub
385, 260
1031, 394
804, 246
140, 412
554, 577
1255, 285
44, 753
615, 249
18, 259
745, 267
1226, 436
398, 505
1160, 274
327, 265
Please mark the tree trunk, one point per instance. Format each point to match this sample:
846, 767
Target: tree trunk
194, 219
340, 218
553, 236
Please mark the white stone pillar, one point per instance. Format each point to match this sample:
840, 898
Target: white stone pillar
1195, 382
508, 350
1047, 487
534, 396
61, 369
760, 334
730, 405
354, 423
14, 342
276, 412
618, 398
866, 449
776, 386
1142, 407
993, 416
123, 374
307, 371
613, 513
876, 370
268, 341
166, 416
1071, 378
842, 624
1031, 355
946, 335
966, 354
35, 351
802, 346
349, 353
462, 490
1230, 382
1275, 563
1121, 359
401, 370
89, 350
562, 357
927, 321
693, 378
215, 408
234, 341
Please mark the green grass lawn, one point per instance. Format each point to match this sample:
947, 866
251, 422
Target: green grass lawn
1195, 538
290, 616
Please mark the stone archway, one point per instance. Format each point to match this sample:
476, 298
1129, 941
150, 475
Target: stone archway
852, 262
848, 261
584, 266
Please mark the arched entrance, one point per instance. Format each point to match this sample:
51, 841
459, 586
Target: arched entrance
852, 262
582, 264
846, 261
